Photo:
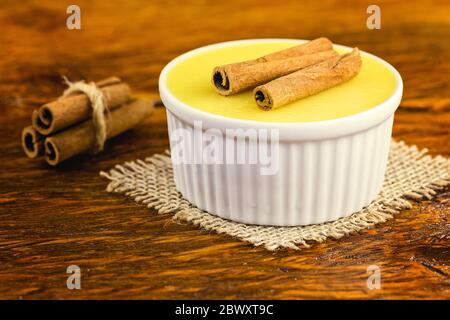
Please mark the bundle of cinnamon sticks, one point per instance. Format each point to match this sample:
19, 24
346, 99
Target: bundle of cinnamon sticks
288, 75
64, 128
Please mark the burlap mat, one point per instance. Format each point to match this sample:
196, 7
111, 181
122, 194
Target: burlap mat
411, 174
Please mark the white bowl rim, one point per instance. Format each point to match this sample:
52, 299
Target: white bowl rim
291, 131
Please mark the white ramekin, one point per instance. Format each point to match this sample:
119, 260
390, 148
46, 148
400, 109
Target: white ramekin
327, 169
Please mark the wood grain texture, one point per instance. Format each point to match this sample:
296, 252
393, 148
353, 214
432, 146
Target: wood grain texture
51, 218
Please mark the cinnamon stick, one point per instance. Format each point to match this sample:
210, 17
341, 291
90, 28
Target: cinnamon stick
308, 81
81, 138
233, 78
241, 76
32, 142
67, 111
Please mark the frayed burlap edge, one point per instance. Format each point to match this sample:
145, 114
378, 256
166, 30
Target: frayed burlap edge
411, 175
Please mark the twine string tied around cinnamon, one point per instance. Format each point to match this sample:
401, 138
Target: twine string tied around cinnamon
98, 104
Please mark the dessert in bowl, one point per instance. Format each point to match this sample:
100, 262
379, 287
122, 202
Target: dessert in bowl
311, 161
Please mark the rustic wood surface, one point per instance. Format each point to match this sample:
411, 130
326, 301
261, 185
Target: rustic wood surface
51, 218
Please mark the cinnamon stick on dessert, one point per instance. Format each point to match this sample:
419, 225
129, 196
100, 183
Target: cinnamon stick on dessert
32, 142
72, 109
81, 138
236, 77
242, 77
308, 81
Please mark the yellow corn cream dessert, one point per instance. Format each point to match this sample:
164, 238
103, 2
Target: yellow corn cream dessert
190, 82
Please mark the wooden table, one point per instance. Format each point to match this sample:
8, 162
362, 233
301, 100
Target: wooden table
51, 218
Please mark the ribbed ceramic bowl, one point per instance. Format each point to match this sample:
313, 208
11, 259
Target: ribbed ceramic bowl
327, 169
